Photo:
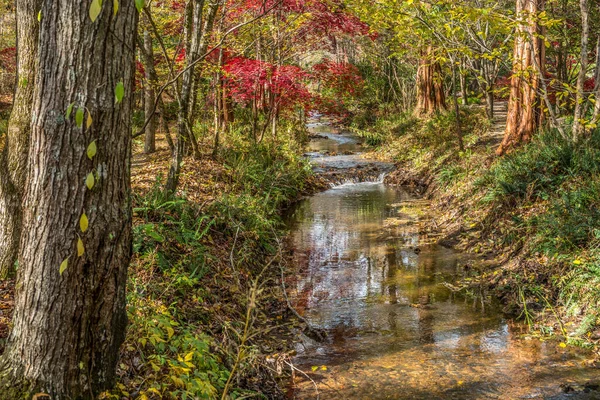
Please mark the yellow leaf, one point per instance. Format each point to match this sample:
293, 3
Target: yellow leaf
64, 265
115, 7
89, 121
189, 356
563, 345
89, 181
577, 262
323, 368
80, 247
95, 9
83, 222
170, 331
314, 368
91, 150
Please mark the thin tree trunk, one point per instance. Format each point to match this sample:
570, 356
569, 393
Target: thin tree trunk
68, 326
525, 110
464, 94
13, 154
580, 98
596, 114
165, 124
459, 133
198, 46
149, 95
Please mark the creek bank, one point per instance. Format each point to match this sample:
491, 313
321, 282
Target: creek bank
508, 211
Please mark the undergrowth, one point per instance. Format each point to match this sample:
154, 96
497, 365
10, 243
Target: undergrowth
201, 283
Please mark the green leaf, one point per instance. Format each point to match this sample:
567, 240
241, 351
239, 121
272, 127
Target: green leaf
80, 247
95, 9
63, 266
119, 92
115, 7
90, 180
79, 117
91, 150
83, 223
69, 110
139, 4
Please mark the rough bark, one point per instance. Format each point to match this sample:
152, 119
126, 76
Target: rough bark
13, 153
596, 114
525, 111
149, 95
580, 98
68, 327
431, 97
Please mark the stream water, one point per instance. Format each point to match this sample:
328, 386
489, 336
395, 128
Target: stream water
394, 330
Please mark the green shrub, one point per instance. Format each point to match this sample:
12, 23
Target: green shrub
537, 170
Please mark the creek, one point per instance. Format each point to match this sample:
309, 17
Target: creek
379, 289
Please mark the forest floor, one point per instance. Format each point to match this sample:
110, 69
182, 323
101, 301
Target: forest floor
529, 215
205, 295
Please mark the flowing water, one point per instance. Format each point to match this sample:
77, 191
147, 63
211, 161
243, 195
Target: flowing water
394, 329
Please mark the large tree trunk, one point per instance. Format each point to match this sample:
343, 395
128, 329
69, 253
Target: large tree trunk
70, 322
525, 111
13, 153
430, 85
149, 95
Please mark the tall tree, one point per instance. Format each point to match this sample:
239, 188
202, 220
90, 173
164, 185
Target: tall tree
580, 99
70, 319
525, 110
13, 153
149, 94
199, 27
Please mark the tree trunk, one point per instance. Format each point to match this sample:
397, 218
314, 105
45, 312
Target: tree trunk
149, 95
580, 98
525, 111
458, 127
464, 93
13, 154
199, 43
430, 86
596, 114
489, 101
70, 322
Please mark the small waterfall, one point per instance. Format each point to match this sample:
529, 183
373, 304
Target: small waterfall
375, 177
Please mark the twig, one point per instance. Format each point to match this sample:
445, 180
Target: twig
306, 375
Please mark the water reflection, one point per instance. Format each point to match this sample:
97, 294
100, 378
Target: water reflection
394, 330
